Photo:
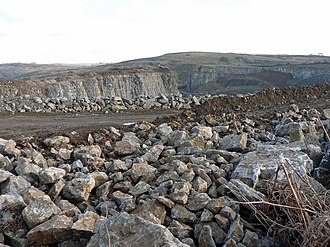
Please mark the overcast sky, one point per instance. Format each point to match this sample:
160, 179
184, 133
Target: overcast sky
93, 31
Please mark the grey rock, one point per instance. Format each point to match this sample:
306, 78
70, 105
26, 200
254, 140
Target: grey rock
262, 163
198, 201
57, 141
89, 155
130, 230
84, 226
51, 175
8, 148
233, 142
180, 192
123, 148
205, 237
206, 215
236, 231
250, 238
180, 230
182, 214
153, 153
140, 188
218, 234
79, 188
27, 170
57, 229
142, 171
31, 194
164, 129
16, 184
11, 199
40, 210
4, 175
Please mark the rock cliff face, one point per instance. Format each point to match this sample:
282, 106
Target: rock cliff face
114, 83
205, 79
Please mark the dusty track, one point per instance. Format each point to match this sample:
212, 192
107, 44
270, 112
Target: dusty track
31, 124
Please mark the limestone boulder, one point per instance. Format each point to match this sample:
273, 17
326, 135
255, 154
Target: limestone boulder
79, 188
40, 210
131, 230
55, 230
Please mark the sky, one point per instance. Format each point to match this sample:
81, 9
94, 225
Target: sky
108, 31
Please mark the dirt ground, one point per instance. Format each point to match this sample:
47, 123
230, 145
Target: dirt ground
17, 126
260, 107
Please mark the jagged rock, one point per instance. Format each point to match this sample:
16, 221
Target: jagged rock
179, 230
123, 148
233, 142
89, 155
182, 214
51, 175
31, 194
57, 141
15, 184
165, 201
200, 185
27, 170
236, 231
56, 189
116, 166
8, 148
79, 188
39, 210
218, 234
153, 153
5, 163
84, 226
142, 171
140, 188
64, 153
262, 163
68, 209
250, 238
57, 229
164, 129
222, 221
11, 199
151, 207
205, 237
206, 215
119, 197
4, 175
180, 192
296, 133
198, 201
131, 230
204, 131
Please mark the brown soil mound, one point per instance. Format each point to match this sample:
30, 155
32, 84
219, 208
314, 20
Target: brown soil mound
268, 100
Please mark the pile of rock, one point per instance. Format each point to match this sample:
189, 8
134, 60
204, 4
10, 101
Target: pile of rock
173, 184
27, 103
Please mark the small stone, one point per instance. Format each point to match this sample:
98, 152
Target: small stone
142, 171
200, 185
250, 238
89, 155
205, 238
198, 201
216, 204
4, 175
79, 188
27, 170
57, 229
165, 201
153, 207
153, 153
40, 210
84, 226
180, 192
64, 153
11, 199
222, 221
57, 141
233, 142
119, 197
56, 189
228, 213
164, 129
206, 215
8, 148
140, 188
51, 175
182, 214
100, 178
235, 231
31, 194
179, 230
123, 148
16, 184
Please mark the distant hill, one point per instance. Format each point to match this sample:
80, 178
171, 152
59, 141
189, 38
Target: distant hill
202, 72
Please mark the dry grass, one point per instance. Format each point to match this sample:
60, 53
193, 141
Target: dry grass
295, 213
